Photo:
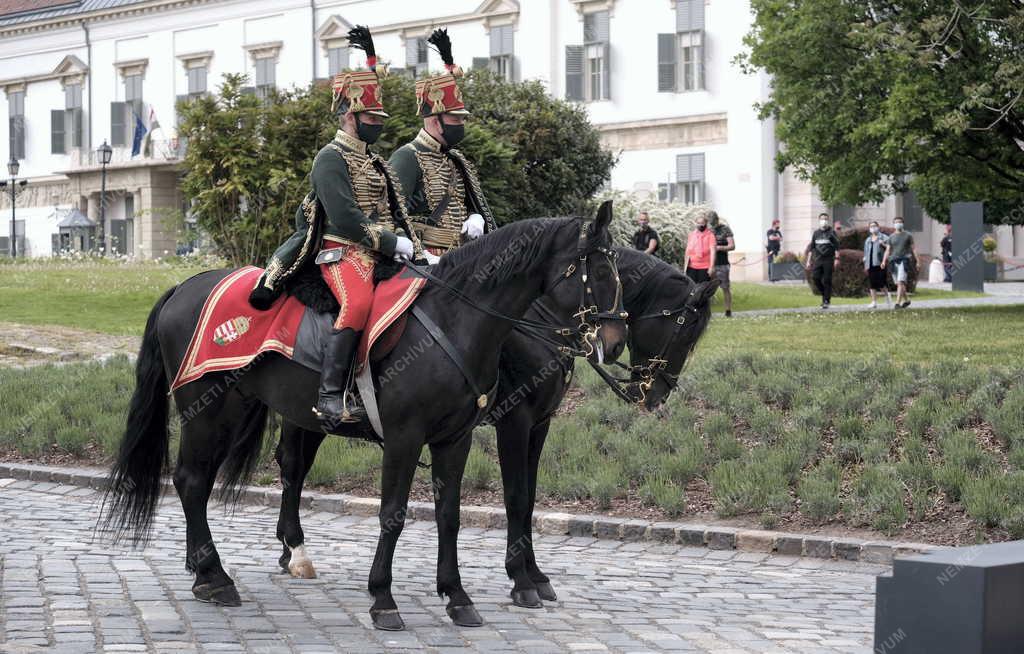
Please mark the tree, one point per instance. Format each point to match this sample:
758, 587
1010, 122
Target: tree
875, 96
248, 161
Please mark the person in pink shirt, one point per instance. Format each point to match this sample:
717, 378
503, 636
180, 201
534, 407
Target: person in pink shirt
700, 252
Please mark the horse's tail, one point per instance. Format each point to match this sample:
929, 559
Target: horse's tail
134, 485
244, 452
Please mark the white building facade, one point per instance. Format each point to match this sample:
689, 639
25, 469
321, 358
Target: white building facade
656, 76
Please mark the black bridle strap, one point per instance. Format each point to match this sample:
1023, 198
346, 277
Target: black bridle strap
617, 385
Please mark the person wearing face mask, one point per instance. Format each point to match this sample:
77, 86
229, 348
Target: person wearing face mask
701, 247
354, 216
821, 254
443, 192
899, 257
875, 246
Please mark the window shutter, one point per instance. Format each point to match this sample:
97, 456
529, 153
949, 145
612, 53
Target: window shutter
178, 101
117, 123
76, 127
606, 72
596, 27
690, 167
481, 63
502, 40
574, 72
689, 15
17, 136
57, 144
337, 60
667, 56
412, 52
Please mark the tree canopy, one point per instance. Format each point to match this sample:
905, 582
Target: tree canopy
873, 96
247, 162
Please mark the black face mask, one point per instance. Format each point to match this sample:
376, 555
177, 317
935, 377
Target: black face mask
368, 133
701, 228
453, 134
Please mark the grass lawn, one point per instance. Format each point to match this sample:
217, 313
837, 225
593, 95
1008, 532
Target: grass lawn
750, 296
99, 296
905, 424
116, 298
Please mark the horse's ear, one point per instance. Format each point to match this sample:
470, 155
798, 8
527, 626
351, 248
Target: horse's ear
604, 216
703, 292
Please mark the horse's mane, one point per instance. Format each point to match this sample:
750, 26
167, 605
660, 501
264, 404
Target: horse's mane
644, 276
501, 255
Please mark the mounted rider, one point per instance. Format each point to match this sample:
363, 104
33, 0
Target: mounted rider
444, 196
352, 218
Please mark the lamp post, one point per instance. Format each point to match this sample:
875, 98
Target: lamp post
104, 152
12, 168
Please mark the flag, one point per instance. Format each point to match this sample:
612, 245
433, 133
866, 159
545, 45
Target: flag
140, 132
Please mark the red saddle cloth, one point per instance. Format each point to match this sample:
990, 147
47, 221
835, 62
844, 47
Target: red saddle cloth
231, 333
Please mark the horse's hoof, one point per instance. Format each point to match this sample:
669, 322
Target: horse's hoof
302, 569
387, 619
225, 595
546, 592
527, 599
465, 616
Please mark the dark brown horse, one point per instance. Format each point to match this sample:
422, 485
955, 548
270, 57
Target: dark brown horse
668, 313
433, 403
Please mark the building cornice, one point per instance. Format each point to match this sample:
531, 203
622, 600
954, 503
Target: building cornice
72, 20
662, 122
69, 70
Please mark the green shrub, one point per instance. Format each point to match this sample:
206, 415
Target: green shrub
673, 221
819, 491
662, 493
985, 499
603, 487
877, 499
740, 488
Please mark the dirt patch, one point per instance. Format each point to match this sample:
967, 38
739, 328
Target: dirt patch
23, 346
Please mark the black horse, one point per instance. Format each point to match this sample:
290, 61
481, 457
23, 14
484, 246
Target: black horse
667, 315
224, 415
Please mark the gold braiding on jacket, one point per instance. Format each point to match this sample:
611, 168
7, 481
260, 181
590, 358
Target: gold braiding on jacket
275, 269
440, 178
478, 192
402, 210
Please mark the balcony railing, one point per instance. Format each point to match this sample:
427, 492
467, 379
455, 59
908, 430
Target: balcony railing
156, 150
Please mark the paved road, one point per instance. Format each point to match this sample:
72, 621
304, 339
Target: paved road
59, 592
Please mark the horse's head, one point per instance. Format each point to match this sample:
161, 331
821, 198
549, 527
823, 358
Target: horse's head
590, 290
661, 341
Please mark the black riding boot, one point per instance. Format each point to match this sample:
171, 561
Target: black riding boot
332, 406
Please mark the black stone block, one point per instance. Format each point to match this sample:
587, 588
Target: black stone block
966, 600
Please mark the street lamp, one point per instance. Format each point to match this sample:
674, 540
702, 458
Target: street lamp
104, 152
12, 168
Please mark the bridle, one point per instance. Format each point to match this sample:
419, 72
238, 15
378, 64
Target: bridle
655, 366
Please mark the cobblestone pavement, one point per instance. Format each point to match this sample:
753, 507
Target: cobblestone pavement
62, 592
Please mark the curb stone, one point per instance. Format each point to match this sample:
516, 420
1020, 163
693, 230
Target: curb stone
544, 522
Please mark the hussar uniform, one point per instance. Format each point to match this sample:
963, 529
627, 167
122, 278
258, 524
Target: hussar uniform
353, 217
442, 187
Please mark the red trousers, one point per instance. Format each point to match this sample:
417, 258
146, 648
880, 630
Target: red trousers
351, 280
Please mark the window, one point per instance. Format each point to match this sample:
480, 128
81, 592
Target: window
66, 124
266, 76
844, 214
502, 60
913, 212
196, 82
16, 123
689, 188
588, 67
681, 55
416, 56
337, 60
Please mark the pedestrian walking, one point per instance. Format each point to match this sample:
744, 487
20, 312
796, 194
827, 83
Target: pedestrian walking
724, 244
946, 246
900, 256
701, 247
875, 246
772, 247
821, 255
645, 239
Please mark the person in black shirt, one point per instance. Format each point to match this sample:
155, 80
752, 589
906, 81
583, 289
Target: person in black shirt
645, 239
773, 246
946, 245
821, 255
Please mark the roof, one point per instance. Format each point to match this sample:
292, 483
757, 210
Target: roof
14, 12
75, 218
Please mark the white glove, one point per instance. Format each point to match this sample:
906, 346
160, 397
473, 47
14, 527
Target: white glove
473, 227
431, 258
403, 249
